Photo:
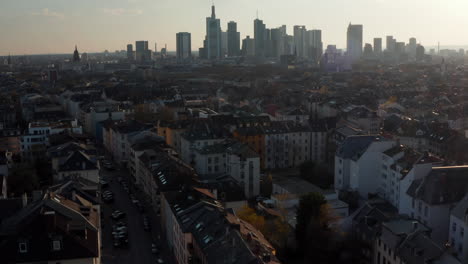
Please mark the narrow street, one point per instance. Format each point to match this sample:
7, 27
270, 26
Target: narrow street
139, 246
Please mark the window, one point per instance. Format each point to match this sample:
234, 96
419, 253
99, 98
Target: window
419, 206
216, 159
426, 209
23, 247
462, 231
454, 227
209, 160
56, 245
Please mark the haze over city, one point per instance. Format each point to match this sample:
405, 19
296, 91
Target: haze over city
55, 26
234, 132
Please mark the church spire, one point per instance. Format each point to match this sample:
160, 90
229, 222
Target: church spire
76, 55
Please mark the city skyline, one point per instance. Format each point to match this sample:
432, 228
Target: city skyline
51, 26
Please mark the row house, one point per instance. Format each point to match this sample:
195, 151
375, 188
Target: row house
434, 196
230, 158
285, 144
200, 133
118, 137
53, 229
199, 230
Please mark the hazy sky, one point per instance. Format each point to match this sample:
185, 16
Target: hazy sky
55, 26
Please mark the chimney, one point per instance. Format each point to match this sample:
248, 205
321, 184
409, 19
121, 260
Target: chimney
24, 199
415, 225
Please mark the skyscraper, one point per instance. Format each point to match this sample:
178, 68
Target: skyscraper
141, 51
368, 52
248, 47
412, 45
224, 44
184, 46
314, 45
277, 41
354, 41
130, 56
259, 37
300, 41
390, 45
233, 39
213, 36
420, 52
377, 46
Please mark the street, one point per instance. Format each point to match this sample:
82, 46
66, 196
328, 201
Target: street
139, 245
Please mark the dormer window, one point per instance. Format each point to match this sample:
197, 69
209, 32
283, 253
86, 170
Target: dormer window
56, 245
23, 247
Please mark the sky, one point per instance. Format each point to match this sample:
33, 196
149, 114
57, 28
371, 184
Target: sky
55, 26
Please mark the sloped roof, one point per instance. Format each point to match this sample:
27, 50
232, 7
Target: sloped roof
354, 146
443, 185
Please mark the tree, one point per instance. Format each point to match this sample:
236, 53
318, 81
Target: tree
22, 179
250, 216
313, 232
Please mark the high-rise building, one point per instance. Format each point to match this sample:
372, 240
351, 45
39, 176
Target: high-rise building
130, 55
420, 52
213, 36
390, 45
314, 45
377, 46
412, 45
300, 48
224, 44
184, 46
141, 51
259, 37
368, 52
399, 47
248, 47
354, 41
277, 41
233, 40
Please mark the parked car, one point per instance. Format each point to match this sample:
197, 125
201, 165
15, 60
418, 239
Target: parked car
154, 249
118, 214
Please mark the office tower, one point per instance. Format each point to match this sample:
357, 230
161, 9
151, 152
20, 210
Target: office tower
420, 52
277, 41
377, 46
248, 47
184, 46
314, 45
354, 42
130, 56
300, 41
368, 52
141, 51
288, 45
259, 37
233, 40
412, 45
76, 55
391, 42
399, 47
213, 36
224, 44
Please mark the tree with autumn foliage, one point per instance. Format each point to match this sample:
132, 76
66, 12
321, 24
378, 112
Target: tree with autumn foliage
250, 216
314, 234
